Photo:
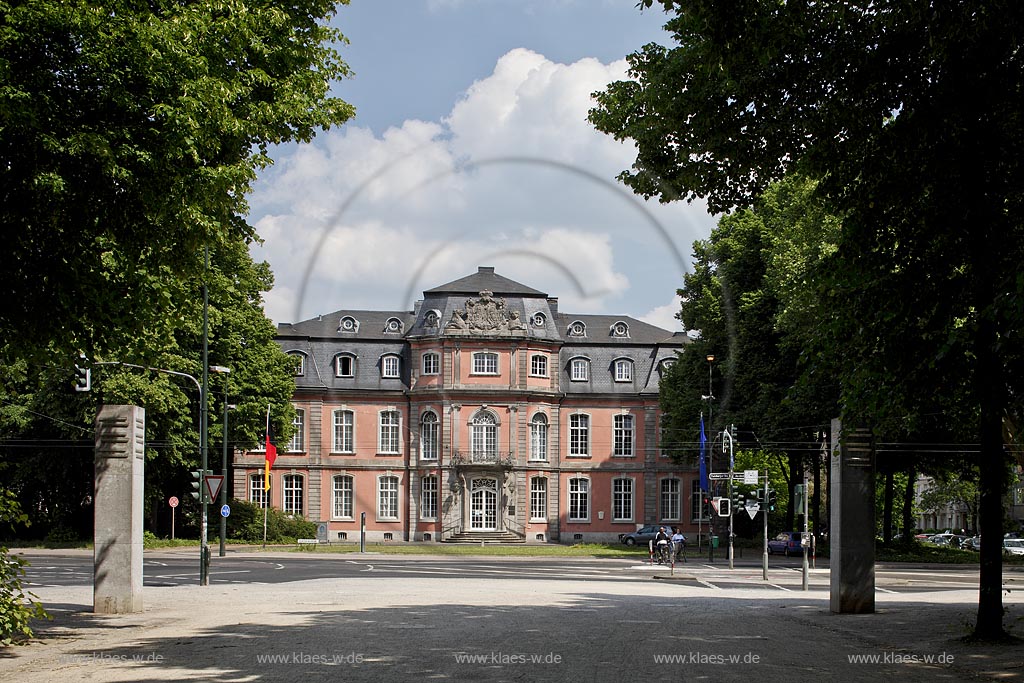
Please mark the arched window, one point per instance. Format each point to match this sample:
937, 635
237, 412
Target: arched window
428, 436
623, 369
539, 437
579, 370
390, 365
344, 365
299, 359
483, 432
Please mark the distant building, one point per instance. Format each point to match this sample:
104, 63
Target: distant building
483, 413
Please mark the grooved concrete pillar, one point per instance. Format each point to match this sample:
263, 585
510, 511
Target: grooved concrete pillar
852, 527
118, 486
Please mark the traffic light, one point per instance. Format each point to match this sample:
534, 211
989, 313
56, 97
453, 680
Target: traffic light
771, 500
83, 375
738, 500
724, 508
197, 484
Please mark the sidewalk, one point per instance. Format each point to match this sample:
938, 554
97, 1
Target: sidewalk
370, 628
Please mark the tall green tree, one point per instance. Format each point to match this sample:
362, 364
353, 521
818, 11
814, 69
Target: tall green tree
130, 133
910, 114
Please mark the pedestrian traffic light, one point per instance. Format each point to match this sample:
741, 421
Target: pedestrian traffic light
771, 500
197, 483
83, 375
724, 508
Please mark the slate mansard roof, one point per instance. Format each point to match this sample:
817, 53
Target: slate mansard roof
523, 313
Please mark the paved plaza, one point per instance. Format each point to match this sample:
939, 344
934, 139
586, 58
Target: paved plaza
368, 627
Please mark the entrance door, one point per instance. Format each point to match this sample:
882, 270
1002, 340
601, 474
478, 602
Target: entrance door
483, 506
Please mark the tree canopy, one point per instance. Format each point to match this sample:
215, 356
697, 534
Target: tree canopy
130, 134
909, 114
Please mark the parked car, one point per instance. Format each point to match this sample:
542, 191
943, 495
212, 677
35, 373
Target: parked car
641, 536
948, 540
787, 543
972, 543
1013, 546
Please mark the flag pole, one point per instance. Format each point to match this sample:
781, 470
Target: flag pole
266, 480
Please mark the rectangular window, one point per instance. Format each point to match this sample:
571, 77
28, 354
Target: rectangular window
579, 500
622, 436
343, 497
431, 364
389, 432
670, 499
485, 364
697, 508
389, 366
387, 498
256, 493
298, 441
345, 366
579, 435
344, 425
622, 500
292, 504
538, 365
538, 499
428, 497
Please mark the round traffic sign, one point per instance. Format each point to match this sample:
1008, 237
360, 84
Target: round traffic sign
173, 501
225, 510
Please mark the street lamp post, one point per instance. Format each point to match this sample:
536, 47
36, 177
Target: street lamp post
711, 459
220, 369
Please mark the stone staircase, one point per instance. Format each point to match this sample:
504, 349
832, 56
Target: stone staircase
488, 537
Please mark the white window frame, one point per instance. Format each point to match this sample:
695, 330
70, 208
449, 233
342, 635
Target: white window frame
343, 497
430, 432
483, 434
432, 358
390, 366
579, 370
539, 438
670, 499
387, 497
428, 497
300, 366
623, 499
623, 370
579, 497
389, 435
297, 444
579, 435
485, 363
351, 365
343, 436
538, 365
623, 436
538, 499
257, 494
292, 494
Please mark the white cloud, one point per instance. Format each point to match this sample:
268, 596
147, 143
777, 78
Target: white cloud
513, 177
665, 316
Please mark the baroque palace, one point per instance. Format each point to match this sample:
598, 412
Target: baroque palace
485, 413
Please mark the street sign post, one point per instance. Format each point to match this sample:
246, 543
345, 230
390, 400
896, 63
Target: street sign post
173, 502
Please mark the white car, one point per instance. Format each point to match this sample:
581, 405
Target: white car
1013, 546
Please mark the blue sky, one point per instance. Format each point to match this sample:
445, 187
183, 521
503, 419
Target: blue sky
470, 147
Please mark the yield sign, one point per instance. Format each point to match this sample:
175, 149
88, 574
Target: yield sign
752, 509
213, 484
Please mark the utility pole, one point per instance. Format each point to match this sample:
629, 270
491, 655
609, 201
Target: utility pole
732, 465
764, 541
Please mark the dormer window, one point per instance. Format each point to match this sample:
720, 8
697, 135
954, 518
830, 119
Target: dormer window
431, 319
538, 319
344, 365
665, 364
620, 330
299, 360
579, 369
577, 329
393, 326
348, 324
623, 370
390, 366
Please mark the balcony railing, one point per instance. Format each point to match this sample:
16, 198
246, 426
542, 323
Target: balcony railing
482, 458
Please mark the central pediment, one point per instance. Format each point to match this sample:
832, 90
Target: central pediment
485, 316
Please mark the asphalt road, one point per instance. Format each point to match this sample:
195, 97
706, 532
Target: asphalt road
180, 567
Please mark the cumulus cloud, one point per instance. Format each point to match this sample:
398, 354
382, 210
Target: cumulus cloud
513, 177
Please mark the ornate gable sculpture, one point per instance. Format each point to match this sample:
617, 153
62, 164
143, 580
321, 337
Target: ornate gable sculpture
486, 316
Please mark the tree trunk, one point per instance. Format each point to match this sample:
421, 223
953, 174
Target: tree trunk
992, 466
816, 501
908, 506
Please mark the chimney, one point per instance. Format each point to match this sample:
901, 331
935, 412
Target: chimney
485, 270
